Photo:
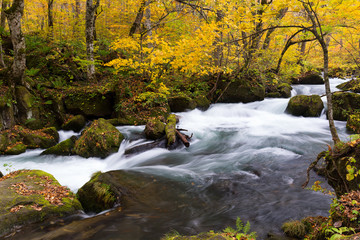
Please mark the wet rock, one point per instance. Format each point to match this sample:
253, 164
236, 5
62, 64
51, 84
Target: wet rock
15, 149
160, 143
29, 113
90, 104
241, 90
344, 104
202, 102
306, 106
181, 103
75, 123
1, 175
43, 138
282, 90
132, 190
352, 85
65, 148
309, 78
7, 119
100, 139
154, 129
22, 200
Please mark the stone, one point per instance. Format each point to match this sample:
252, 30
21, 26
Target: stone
202, 102
309, 78
241, 90
22, 200
43, 138
154, 129
306, 106
90, 104
75, 123
344, 104
100, 139
181, 103
64, 148
352, 85
15, 149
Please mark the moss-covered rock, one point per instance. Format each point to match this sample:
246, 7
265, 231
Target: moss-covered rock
309, 78
170, 130
307, 106
29, 113
100, 139
243, 89
3, 142
33, 196
344, 104
202, 102
75, 123
352, 85
90, 104
282, 90
43, 138
7, 116
181, 103
65, 148
154, 129
15, 149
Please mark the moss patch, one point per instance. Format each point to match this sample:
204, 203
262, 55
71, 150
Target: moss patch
306, 106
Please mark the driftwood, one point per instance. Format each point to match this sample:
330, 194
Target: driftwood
183, 138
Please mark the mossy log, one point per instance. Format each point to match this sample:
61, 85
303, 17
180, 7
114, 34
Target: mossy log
170, 130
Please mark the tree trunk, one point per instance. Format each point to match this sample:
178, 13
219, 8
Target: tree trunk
148, 24
4, 5
77, 17
90, 29
50, 14
14, 15
139, 16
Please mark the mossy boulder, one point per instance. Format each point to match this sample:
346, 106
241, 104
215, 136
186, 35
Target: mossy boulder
282, 90
75, 123
65, 148
309, 78
100, 139
29, 113
43, 138
181, 103
344, 104
33, 196
90, 104
353, 123
352, 85
306, 106
202, 102
134, 190
154, 129
243, 89
15, 149
3, 142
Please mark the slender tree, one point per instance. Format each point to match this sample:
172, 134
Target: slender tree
91, 9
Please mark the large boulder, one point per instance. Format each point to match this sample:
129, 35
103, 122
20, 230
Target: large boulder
352, 85
75, 123
15, 149
100, 139
90, 104
33, 196
202, 102
7, 119
43, 138
133, 190
282, 90
241, 90
309, 78
154, 129
344, 104
181, 103
306, 106
29, 113
65, 148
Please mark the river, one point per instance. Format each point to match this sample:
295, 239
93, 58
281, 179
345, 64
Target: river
245, 160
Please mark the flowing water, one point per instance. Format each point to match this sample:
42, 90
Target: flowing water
245, 160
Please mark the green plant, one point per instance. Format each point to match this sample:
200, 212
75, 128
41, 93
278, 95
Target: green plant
242, 231
8, 167
338, 233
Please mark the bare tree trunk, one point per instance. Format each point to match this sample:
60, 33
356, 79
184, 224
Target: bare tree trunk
148, 24
50, 14
14, 15
77, 17
90, 28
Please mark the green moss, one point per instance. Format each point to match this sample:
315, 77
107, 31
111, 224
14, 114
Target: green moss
307, 106
352, 85
170, 129
99, 140
75, 123
65, 148
15, 149
344, 104
154, 129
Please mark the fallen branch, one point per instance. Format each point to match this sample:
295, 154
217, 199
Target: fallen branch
183, 138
